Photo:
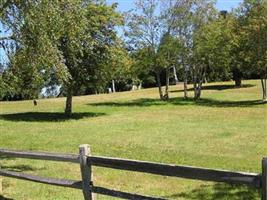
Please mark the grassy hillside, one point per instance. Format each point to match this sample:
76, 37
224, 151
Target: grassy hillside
225, 130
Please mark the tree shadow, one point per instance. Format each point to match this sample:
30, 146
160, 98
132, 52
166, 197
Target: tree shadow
216, 103
219, 191
138, 102
5, 157
217, 87
18, 168
145, 102
47, 116
4, 198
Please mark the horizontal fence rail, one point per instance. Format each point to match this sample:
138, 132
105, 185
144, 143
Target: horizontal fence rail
187, 172
122, 195
86, 161
74, 158
45, 180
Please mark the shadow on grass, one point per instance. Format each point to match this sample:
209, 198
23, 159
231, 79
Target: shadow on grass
143, 102
46, 116
5, 157
138, 102
4, 198
18, 168
216, 103
219, 192
217, 87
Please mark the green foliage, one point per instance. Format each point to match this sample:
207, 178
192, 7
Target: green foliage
253, 33
119, 65
168, 52
141, 68
68, 40
74, 44
212, 48
250, 40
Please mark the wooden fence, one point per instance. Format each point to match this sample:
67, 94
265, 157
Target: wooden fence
86, 161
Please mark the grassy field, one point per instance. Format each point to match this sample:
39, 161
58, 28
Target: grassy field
227, 129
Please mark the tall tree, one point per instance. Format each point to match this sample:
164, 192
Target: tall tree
252, 23
167, 56
179, 17
185, 17
212, 48
144, 30
118, 68
149, 30
204, 12
236, 42
67, 38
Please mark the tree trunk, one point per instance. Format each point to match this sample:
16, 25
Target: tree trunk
197, 92
113, 86
198, 78
238, 82
68, 108
140, 85
96, 91
264, 89
185, 83
175, 75
166, 96
237, 76
205, 80
159, 85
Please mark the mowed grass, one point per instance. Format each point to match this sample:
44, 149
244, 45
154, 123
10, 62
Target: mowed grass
226, 129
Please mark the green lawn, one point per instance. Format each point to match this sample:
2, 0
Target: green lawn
227, 129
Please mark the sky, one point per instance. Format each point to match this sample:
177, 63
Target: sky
125, 5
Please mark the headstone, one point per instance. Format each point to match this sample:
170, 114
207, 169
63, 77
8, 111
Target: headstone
134, 87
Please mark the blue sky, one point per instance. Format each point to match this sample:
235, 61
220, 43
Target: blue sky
227, 4
125, 5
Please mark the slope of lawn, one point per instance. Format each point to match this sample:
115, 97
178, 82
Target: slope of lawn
226, 129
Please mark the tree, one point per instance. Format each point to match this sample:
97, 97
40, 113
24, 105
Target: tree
69, 39
212, 47
236, 57
31, 54
179, 16
144, 30
185, 17
167, 56
141, 72
252, 40
118, 68
149, 32
204, 13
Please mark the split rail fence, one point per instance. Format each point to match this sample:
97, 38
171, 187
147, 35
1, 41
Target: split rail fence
86, 161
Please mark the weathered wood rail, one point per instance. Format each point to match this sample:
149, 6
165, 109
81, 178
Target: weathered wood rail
86, 161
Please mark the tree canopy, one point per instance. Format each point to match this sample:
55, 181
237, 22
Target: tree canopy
70, 40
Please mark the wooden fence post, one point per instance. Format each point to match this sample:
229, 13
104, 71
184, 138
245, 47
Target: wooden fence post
86, 171
264, 179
